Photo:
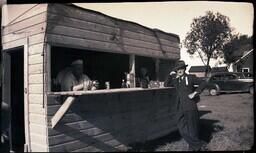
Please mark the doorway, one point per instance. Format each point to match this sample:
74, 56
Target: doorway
14, 97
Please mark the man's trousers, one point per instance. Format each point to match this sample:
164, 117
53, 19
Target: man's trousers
188, 125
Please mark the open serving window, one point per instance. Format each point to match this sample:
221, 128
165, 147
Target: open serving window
100, 66
108, 67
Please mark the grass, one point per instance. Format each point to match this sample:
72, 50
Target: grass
226, 125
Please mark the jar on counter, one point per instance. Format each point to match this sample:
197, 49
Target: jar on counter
107, 85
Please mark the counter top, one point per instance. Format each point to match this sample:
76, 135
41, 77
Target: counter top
103, 91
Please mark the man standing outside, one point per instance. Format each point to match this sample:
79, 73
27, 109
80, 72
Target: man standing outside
73, 79
187, 97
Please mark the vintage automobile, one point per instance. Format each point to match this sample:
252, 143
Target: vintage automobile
248, 75
229, 82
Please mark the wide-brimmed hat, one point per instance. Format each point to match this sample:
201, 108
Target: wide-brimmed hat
180, 65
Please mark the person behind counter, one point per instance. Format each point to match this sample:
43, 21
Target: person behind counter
73, 79
187, 97
144, 77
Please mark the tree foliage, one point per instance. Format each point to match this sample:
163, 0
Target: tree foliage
235, 49
208, 35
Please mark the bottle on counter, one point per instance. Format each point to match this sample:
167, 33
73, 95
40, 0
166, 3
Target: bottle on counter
128, 81
123, 84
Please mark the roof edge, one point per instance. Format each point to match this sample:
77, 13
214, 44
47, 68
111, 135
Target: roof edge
97, 12
245, 55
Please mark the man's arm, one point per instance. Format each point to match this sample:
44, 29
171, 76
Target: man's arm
200, 88
87, 82
169, 81
67, 84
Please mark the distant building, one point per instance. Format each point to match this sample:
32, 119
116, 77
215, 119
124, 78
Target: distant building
245, 63
199, 71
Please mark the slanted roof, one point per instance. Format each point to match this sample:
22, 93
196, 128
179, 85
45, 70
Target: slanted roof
74, 26
247, 53
99, 13
198, 68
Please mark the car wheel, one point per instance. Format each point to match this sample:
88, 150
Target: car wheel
213, 92
251, 90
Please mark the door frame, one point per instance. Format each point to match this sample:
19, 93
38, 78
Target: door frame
6, 88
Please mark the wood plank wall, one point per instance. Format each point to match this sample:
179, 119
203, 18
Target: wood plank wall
29, 30
113, 121
85, 29
76, 27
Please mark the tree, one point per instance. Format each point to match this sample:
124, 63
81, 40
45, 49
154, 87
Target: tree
207, 37
235, 49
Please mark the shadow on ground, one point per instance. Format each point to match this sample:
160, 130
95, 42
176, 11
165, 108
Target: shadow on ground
152, 145
207, 129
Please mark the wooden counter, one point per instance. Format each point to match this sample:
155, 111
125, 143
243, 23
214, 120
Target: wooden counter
111, 120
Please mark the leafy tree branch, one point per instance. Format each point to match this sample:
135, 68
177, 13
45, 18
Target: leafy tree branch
208, 35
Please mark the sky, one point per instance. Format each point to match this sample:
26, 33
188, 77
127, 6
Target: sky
172, 17
176, 17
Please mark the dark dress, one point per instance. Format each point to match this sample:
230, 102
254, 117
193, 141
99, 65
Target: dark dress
187, 117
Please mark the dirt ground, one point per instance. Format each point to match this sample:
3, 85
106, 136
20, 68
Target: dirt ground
226, 124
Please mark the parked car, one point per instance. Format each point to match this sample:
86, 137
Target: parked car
248, 75
229, 82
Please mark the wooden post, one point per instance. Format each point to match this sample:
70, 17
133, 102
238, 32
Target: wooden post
62, 110
157, 68
48, 81
26, 99
132, 70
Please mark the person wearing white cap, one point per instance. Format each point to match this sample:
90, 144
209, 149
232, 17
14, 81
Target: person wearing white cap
73, 79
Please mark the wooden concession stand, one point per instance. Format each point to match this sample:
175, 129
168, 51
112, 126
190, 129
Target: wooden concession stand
44, 40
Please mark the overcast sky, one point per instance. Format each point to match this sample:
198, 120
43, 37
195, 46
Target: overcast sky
176, 17
172, 17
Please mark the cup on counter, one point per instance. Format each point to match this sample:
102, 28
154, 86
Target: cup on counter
161, 84
107, 85
95, 85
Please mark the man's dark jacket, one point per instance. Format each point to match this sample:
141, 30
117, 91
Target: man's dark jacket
183, 89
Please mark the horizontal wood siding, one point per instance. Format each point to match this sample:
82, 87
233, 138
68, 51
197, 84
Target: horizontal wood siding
37, 9
35, 147
111, 122
38, 128
26, 25
30, 40
87, 29
29, 29
33, 30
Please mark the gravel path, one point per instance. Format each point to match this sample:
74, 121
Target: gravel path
226, 124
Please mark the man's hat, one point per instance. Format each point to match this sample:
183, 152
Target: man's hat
180, 65
77, 62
